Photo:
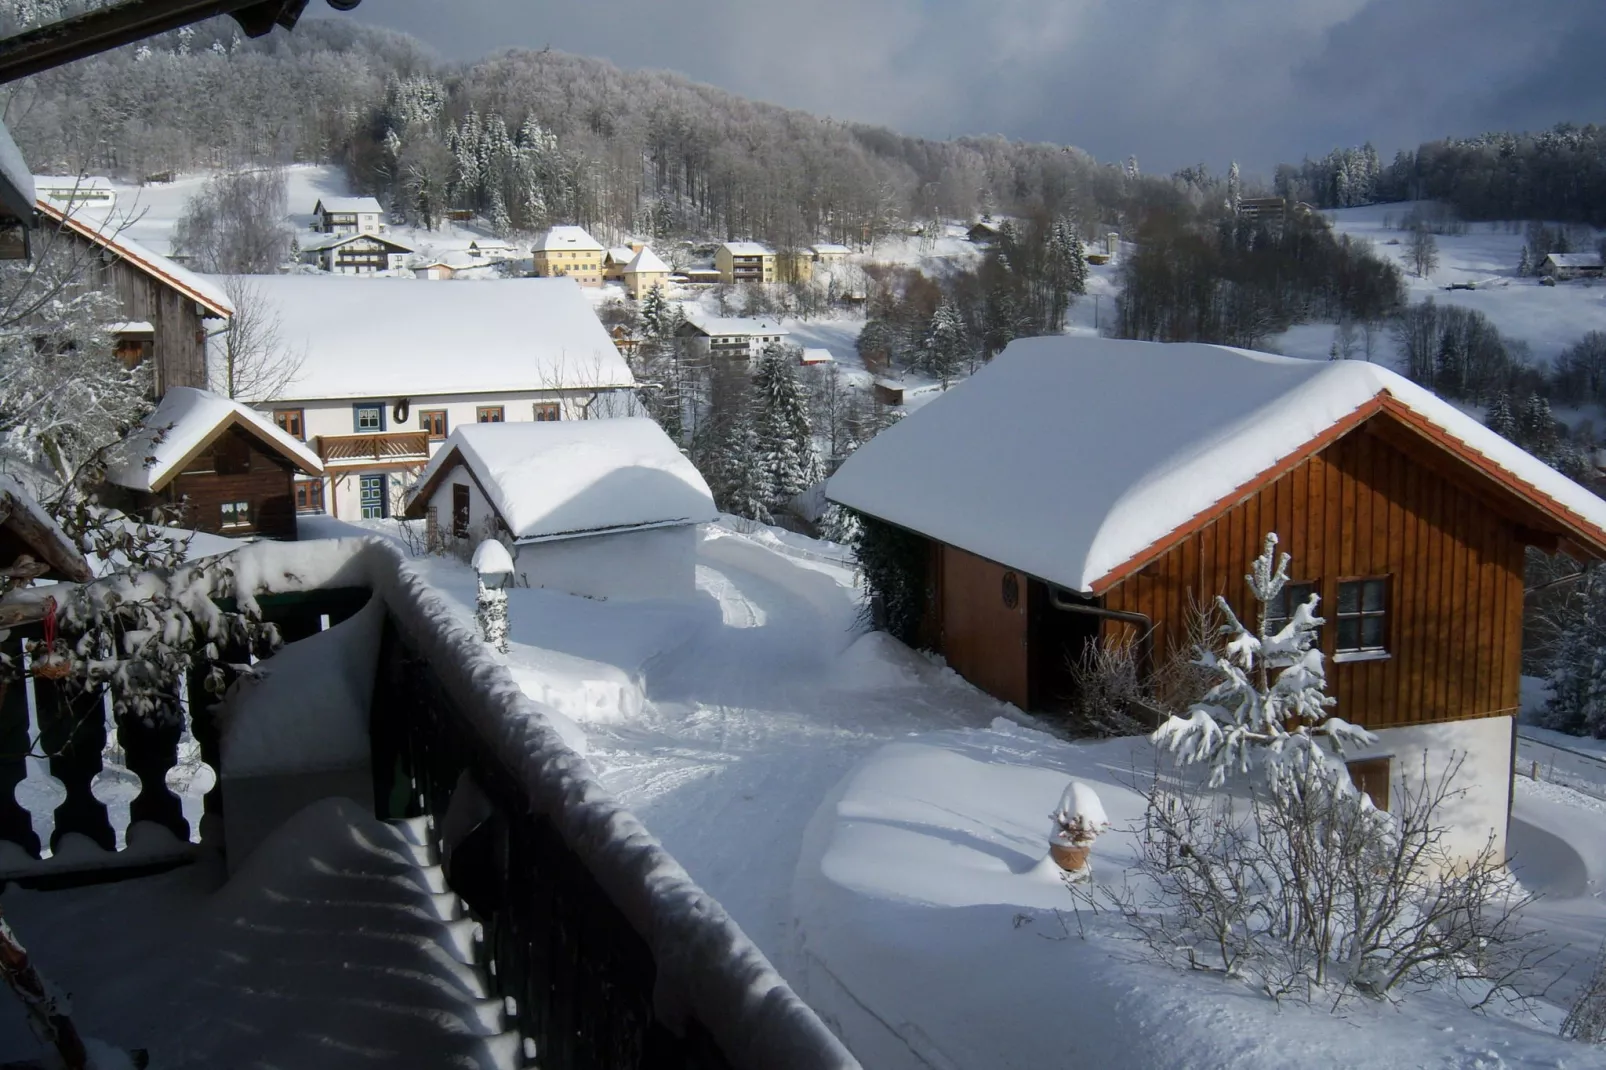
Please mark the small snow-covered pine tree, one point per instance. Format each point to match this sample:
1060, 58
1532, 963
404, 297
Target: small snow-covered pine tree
1525, 266
655, 312
1235, 187
943, 349
1269, 708
1577, 674
1501, 420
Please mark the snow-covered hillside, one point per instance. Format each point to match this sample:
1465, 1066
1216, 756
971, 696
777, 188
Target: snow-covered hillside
1548, 318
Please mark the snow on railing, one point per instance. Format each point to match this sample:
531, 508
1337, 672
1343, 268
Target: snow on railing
707, 970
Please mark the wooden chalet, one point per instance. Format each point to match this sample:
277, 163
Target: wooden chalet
1049, 525
232, 471
169, 308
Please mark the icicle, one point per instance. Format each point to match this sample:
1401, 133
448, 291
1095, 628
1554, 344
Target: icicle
116, 786
37, 792
190, 778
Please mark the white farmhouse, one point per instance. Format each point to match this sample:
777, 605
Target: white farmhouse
733, 336
356, 254
600, 508
390, 366
349, 215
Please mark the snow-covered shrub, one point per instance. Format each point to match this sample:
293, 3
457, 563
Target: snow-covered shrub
895, 564
1586, 1020
1108, 691
1300, 891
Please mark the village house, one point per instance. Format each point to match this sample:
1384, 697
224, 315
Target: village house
735, 337
827, 255
615, 260
356, 254
568, 252
983, 233
1566, 266
645, 270
67, 192
1043, 535
794, 265
168, 311
492, 249
348, 215
744, 261
433, 268
600, 508
811, 356
225, 465
378, 393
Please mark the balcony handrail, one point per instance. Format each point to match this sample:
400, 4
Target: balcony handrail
708, 971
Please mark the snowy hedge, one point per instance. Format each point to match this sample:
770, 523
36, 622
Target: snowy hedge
708, 969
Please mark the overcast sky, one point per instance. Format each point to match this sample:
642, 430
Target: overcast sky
1171, 81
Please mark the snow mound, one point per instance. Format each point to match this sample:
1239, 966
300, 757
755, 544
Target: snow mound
492, 556
876, 661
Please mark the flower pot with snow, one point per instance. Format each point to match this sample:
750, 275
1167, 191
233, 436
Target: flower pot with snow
1078, 820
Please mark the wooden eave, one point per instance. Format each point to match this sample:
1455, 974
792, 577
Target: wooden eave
234, 420
1539, 519
66, 563
107, 241
418, 503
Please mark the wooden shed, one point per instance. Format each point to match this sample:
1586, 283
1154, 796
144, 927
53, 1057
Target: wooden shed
1051, 528
230, 470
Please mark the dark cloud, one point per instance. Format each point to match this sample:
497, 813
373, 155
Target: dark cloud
1172, 81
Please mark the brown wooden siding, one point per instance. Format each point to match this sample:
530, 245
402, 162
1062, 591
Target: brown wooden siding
983, 638
1363, 507
178, 348
268, 484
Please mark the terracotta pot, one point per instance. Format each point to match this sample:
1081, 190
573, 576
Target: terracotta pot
1070, 859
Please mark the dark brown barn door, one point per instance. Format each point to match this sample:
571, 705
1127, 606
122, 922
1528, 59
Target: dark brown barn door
984, 624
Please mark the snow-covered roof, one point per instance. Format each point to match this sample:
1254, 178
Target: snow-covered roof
17, 190
187, 421
646, 261
562, 479
347, 205
1574, 260
324, 242
1077, 459
131, 327
494, 244
813, 355
827, 247
368, 337
567, 238
737, 327
746, 248
621, 254
105, 231
27, 520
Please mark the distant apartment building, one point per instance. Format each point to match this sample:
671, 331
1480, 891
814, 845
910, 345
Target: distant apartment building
348, 215
570, 252
794, 265
744, 261
734, 337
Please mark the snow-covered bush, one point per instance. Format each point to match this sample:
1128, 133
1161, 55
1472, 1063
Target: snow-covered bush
1586, 1020
1108, 691
1299, 891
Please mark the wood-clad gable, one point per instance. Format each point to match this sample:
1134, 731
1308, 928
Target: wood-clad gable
236, 467
1374, 503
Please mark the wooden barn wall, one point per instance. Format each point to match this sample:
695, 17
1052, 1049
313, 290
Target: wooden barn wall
983, 638
268, 486
1363, 508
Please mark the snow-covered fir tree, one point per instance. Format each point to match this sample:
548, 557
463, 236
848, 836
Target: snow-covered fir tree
1500, 419
1577, 675
1235, 187
945, 345
782, 428
1269, 708
655, 313
1525, 266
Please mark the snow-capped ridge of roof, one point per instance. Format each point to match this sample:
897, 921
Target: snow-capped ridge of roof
747, 248
645, 261
567, 237
334, 241
349, 205
106, 230
1077, 459
184, 422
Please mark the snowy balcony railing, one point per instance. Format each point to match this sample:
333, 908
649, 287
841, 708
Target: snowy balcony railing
387, 446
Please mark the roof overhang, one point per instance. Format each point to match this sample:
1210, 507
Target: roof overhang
233, 420
210, 306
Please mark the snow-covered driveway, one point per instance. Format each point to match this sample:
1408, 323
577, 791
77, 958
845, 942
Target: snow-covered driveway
751, 724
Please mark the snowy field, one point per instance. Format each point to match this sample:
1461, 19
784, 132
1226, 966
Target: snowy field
1548, 318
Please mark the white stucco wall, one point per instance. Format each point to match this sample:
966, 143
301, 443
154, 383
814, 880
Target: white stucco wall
630, 566
480, 515
1483, 745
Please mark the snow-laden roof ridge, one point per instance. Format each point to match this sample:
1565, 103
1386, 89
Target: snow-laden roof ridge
108, 230
567, 478
645, 261
349, 205
334, 241
747, 248
567, 237
1155, 436
186, 418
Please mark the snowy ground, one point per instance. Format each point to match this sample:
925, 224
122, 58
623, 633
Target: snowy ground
1548, 318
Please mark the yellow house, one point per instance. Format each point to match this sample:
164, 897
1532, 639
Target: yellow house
615, 260
645, 270
568, 251
794, 265
744, 261
827, 255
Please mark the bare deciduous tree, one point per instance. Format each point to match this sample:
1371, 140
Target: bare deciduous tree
254, 361
235, 225
1422, 251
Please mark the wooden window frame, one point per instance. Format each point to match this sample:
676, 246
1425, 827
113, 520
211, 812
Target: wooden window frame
425, 423
1372, 776
238, 507
284, 417
357, 409
553, 408
1342, 655
310, 490
481, 417
1274, 622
